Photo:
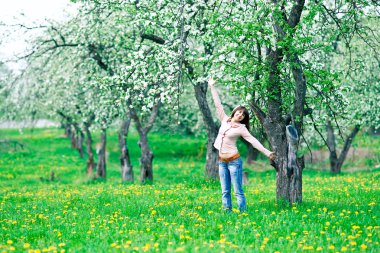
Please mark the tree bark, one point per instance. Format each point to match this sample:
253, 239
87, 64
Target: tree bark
90, 159
212, 154
101, 167
125, 162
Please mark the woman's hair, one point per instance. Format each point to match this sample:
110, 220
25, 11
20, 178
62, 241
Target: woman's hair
245, 121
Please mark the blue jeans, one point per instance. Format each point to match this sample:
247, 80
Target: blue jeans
232, 172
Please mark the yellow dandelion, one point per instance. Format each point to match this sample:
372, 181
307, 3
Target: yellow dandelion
363, 246
146, 247
331, 247
319, 248
9, 242
26, 245
343, 248
180, 249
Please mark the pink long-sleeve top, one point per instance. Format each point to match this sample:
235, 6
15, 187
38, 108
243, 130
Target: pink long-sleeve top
229, 131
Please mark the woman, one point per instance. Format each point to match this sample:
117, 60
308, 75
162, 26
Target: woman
230, 163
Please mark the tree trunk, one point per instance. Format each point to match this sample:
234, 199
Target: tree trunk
335, 162
294, 171
90, 153
252, 153
289, 174
79, 144
212, 158
346, 147
73, 140
101, 167
212, 154
125, 163
68, 130
146, 159
332, 148
288, 179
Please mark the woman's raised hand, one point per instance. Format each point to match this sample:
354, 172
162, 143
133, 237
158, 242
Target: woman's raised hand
211, 82
272, 156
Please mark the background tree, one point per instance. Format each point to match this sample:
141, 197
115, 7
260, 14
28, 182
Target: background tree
356, 64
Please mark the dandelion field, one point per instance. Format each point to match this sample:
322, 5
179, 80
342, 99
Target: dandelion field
180, 211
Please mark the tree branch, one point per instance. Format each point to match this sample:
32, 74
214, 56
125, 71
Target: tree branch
260, 114
153, 116
153, 38
295, 13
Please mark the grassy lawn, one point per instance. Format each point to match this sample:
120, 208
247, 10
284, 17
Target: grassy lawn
181, 211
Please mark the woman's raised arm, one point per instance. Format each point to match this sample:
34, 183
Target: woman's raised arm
219, 108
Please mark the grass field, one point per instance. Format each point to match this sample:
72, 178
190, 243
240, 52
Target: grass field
181, 211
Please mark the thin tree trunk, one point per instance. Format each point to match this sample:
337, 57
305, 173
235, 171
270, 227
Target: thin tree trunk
335, 161
101, 167
146, 160
68, 131
90, 153
79, 144
332, 148
125, 163
73, 140
252, 153
347, 145
212, 154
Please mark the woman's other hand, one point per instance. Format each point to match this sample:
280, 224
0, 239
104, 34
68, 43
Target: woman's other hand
211, 82
272, 156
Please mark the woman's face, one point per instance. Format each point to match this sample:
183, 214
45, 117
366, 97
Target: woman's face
239, 115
